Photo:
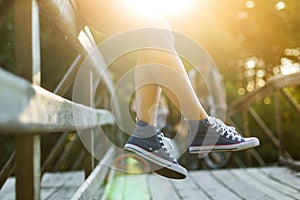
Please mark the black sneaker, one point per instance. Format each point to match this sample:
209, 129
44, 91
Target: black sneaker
155, 150
214, 136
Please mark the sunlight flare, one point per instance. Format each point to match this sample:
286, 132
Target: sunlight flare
159, 7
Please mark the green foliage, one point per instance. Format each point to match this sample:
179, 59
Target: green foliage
57, 53
7, 43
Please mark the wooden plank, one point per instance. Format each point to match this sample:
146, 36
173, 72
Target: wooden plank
161, 188
263, 187
28, 155
91, 187
61, 185
212, 186
283, 175
256, 173
7, 169
8, 189
53, 186
239, 185
189, 188
28, 108
137, 187
63, 14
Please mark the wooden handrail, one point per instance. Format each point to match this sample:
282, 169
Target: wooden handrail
27, 108
272, 85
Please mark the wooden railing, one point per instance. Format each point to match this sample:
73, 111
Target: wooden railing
28, 111
274, 87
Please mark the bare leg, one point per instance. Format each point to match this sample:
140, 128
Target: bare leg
168, 71
172, 77
147, 97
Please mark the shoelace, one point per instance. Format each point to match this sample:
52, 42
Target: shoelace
166, 144
224, 129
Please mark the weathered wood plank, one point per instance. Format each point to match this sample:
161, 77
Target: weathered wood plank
255, 173
54, 186
241, 181
239, 185
27, 108
64, 15
7, 169
188, 188
8, 189
212, 186
161, 188
91, 187
263, 187
283, 175
28, 173
61, 185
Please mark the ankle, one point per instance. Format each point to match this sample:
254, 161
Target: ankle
144, 129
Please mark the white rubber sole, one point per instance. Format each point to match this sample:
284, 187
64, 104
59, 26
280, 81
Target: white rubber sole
168, 169
249, 143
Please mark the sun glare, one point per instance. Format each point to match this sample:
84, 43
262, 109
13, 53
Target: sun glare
159, 7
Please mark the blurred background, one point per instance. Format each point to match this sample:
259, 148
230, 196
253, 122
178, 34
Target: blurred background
249, 41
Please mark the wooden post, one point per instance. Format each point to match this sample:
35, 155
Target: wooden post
278, 115
247, 134
90, 161
27, 63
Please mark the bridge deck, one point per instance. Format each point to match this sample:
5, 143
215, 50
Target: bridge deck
250, 183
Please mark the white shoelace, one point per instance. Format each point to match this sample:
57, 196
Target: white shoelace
167, 144
224, 129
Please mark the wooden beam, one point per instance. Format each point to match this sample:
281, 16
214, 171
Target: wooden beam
27, 65
278, 119
64, 15
27, 108
7, 169
5, 8
272, 85
68, 78
28, 155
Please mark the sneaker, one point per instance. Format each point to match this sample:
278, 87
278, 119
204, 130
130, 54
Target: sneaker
156, 150
212, 135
